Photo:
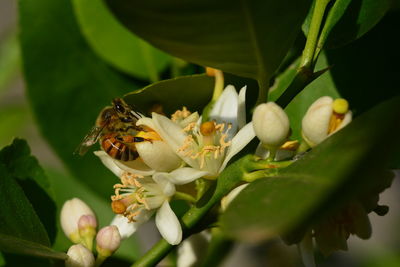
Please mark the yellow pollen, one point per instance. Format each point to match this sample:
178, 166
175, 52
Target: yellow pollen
340, 106
180, 114
207, 128
189, 127
149, 136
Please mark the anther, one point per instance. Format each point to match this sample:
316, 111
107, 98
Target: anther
118, 207
207, 128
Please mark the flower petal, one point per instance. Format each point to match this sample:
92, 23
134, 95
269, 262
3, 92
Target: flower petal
225, 110
182, 175
168, 224
225, 201
135, 166
109, 162
241, 117
158, 155
147, 122
167, 187
126, 228
173, 134
241, 139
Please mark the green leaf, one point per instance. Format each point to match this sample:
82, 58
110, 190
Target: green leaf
193, 92
115, 44
23, 167
66, 84
10, 122
340, 168
247, 38
348, 20
21, 246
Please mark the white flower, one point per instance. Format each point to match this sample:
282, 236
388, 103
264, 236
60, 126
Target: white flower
207, 147
193, 249
79, 256
137, 198
71, 212
323, 118
271, 124
226, 200
87, 225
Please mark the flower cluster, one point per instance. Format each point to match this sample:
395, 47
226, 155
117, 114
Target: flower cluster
175, 151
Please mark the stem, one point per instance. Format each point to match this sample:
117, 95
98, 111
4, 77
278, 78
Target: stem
307, 60
263, 86
219, 84
154, 255
184, 196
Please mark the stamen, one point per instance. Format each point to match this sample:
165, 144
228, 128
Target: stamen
180, 114
290, 145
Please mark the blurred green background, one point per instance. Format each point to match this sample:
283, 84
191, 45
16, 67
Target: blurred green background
17, 120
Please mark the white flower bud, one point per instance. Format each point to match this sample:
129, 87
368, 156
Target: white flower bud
323, 118
108, 240
79, 256
87, 229
71, 212
271, 125
158, 155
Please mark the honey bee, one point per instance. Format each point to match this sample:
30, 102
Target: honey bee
115, 129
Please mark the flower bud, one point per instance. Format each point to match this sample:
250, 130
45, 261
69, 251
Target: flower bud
71, 212
108, 240
271, 125
323, 118
87, 229
79, 256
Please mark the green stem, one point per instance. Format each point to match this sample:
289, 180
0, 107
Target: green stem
228, 179
263, 86
184, 196
219, 84
307, 60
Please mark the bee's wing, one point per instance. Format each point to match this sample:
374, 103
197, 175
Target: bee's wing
90, 139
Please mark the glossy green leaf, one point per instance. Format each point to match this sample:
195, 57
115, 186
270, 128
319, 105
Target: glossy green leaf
67, 85
193, 92
23, 167
348, 20
247, 38
21, 229
115, 44
22, 246
340, 168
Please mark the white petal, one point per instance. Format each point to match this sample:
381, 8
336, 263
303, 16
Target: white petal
231, 196
109, 162
241, 117
168, 224
167, 187
173, 134
158, 155
147, 122
193, 249
225, 108
126, 228
316, 121
183, 175
135, 166
191, 118
241, 139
